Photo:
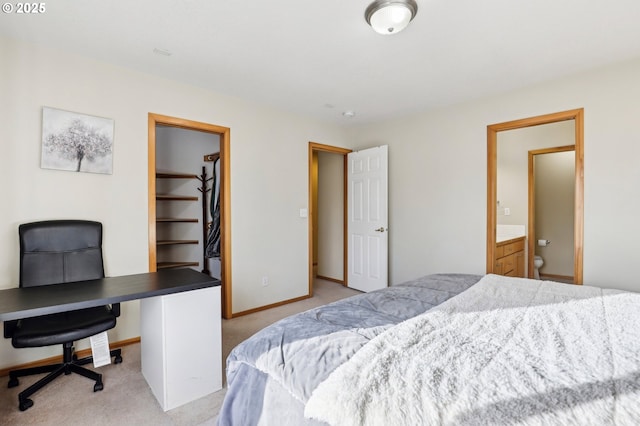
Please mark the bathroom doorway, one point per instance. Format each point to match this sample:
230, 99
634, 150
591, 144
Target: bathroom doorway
576, 116
551, 196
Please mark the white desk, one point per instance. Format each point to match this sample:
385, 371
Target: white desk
180, 329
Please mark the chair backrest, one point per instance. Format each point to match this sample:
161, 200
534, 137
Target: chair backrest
60, 251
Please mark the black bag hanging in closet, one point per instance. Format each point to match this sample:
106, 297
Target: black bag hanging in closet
212, 248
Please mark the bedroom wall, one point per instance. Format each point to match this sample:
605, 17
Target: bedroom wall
268, 174
441, 227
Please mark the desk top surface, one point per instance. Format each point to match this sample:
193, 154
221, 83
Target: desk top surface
16, 303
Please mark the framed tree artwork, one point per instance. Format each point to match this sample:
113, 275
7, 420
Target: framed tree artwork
76, 142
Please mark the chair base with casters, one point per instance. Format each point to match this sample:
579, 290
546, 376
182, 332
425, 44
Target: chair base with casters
43, 331
70, 364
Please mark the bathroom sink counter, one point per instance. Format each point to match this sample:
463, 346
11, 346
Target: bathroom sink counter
506, 239
505, 233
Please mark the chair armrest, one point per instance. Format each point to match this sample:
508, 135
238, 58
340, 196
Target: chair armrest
10, 328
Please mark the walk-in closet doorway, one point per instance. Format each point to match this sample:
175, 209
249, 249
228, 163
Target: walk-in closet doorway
189, 199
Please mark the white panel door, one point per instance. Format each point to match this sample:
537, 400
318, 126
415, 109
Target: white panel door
367, 199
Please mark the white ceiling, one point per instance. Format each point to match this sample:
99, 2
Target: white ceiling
320, 58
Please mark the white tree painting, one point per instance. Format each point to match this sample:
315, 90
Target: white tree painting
76, 142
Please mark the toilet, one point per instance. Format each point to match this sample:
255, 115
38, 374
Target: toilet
537, 263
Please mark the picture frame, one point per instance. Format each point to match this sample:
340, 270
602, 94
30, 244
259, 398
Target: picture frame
77, 142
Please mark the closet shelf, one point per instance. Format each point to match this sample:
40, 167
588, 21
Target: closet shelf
176, 219
172, 175
168, 265
164, 197
169, 243
173, 242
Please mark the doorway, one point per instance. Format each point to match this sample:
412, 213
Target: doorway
577, 116
338, 218
155, 120
551, 202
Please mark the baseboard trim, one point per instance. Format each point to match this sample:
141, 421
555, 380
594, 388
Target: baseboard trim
557, 277
284, 302
334, 280
273, 305
56, 359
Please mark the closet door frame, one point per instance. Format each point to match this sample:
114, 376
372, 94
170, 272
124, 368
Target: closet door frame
225, 198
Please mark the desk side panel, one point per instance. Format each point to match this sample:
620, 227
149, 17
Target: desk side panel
187, 358
152, 347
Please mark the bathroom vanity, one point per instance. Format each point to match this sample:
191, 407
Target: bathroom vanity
509, 256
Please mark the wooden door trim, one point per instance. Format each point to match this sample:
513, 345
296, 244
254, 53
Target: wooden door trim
225, 195
492, 136
531, 229
313, 148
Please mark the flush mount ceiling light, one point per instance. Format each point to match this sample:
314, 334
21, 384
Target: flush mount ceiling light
390, 16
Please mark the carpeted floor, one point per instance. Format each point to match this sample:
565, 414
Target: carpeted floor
126, 398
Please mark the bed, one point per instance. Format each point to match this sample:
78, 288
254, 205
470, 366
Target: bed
450, 349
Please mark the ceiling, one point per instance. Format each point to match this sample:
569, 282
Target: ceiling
320, 58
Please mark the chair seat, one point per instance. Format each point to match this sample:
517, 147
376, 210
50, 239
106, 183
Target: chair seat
63, 327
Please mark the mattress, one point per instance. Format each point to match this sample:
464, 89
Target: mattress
272, 375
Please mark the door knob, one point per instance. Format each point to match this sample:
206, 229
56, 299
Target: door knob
381, 229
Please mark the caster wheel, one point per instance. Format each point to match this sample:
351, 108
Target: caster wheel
117, 359
98, 387
25, 404
13, 382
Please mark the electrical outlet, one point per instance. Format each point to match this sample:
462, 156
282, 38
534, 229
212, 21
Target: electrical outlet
265, 281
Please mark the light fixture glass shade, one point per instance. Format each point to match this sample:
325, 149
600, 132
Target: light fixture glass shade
390, 17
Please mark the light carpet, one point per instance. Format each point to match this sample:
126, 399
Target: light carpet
126, 398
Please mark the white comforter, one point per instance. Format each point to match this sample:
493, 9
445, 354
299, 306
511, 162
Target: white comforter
506, 351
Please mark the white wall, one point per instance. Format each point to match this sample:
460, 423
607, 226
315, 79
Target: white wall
268, 174
438, 175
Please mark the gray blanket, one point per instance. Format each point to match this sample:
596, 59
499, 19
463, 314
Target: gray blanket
271, 375
508, 351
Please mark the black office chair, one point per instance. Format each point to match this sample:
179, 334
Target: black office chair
53, 253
